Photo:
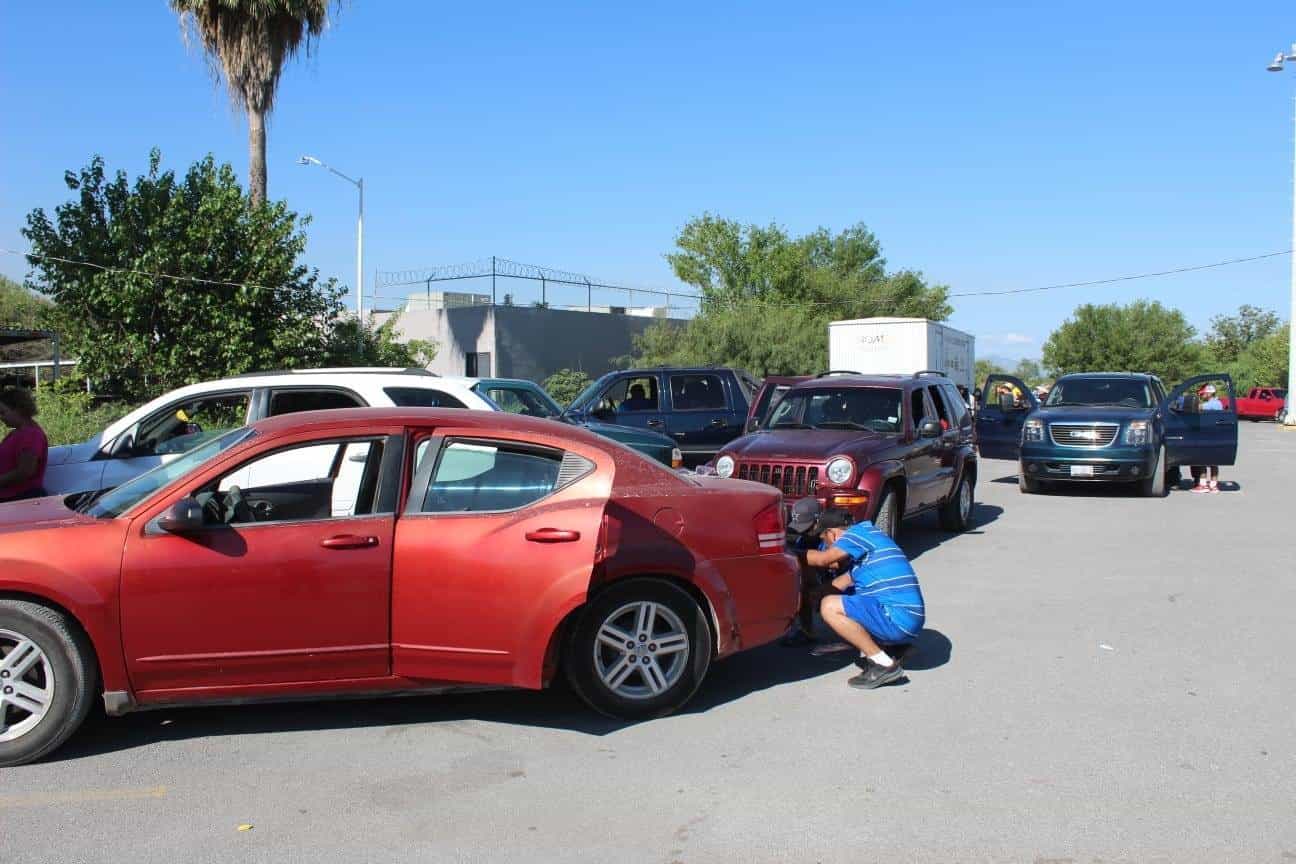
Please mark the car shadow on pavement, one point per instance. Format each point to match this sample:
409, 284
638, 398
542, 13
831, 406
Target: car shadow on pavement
556, 708
924, 533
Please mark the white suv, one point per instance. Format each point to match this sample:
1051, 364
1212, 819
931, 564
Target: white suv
180, 420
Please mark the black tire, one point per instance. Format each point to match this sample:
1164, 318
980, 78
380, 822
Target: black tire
1027, 485
1174, 477
582, 664
887, 517
1155, 485
956, 512
69, 657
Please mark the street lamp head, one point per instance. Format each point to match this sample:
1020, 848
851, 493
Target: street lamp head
1275, 66
311, 160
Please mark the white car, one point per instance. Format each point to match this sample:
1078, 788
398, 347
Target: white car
180, 420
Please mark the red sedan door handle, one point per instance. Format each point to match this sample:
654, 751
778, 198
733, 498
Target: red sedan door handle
349, 541
552, 535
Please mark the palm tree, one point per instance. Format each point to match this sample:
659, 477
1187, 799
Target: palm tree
247, 42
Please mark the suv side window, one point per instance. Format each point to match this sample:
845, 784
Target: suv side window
292, 401
943, 413
184, 425
702, 392
489, 477
917, 407
958, 408
634, 394
421, 397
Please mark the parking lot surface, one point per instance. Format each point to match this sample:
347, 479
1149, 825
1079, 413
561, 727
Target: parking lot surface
1104, 678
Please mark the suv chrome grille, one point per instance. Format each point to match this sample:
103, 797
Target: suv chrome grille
1083, 434
794, 480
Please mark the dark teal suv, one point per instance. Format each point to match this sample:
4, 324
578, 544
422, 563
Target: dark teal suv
1114, 427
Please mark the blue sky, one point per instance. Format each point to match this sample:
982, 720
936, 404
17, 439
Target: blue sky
989, 145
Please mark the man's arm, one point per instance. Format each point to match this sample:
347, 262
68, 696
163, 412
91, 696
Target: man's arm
24, 470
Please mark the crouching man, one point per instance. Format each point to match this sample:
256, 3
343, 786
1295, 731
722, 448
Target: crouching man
881, 603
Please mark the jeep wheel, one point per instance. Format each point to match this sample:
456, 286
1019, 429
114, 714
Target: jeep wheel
886, 519
956, 513
639, 650
47, 679
1027, 485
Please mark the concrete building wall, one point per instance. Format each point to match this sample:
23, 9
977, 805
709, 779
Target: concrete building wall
523, 341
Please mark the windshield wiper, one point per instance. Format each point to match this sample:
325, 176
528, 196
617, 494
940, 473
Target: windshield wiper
841, 424
789, 426
84, 500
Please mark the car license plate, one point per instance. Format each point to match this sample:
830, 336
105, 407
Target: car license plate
1081, 470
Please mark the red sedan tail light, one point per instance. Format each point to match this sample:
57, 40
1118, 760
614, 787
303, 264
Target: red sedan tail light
769, 528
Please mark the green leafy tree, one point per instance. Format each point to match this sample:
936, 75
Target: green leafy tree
1230, 335
565, 385
984, 368
1263, 362
376, 345
767, 297
1030, 372
137, 334
19, 307
247, 43
1143, 336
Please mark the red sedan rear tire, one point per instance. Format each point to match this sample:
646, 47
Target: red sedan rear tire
640, 649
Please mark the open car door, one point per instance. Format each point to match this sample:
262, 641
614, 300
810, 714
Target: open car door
1201, 429
1002, 409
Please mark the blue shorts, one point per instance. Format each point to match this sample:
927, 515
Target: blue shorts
867, 612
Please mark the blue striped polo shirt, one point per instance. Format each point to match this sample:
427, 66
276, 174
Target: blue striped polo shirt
880, 569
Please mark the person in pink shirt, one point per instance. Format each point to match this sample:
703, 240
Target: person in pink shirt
24, 450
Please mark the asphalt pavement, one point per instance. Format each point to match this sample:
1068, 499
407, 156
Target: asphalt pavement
1105, 678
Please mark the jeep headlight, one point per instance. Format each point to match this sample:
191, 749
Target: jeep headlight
840, 471
1136, 433
725, 466
1033, 430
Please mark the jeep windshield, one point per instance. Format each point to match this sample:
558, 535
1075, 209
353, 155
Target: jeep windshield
872, 409
1100, 392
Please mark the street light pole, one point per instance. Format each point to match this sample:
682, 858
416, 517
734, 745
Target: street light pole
1290, 419
359, 184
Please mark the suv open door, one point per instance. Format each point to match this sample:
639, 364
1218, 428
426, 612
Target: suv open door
1199, 435
1001, 410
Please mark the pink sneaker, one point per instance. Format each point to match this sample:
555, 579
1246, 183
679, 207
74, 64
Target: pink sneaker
1214, 488
1201, 487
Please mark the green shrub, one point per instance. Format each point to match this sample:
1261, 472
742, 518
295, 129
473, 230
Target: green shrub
565, 385
69, 417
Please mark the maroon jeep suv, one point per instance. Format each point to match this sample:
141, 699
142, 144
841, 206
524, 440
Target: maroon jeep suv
883, 447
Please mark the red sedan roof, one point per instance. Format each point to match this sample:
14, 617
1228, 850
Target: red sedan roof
458, 417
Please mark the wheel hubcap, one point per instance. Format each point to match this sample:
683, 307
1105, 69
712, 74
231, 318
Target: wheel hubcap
965, 501
641, 651
26, 685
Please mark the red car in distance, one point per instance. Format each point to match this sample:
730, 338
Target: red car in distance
373, 551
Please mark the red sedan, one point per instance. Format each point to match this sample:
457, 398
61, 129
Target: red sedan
373, 551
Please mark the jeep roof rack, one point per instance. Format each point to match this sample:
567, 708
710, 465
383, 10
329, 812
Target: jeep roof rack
922, 372
831, 372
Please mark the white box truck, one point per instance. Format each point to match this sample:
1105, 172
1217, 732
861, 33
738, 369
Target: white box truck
902, 346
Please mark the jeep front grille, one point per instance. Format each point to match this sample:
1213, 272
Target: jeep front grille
1083, 434
791, 480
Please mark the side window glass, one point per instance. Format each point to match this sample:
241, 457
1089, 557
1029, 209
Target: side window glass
519, 401
325, 480
917, 407
1205, 396
292, 401
421, 397
954, 400
942, 410
184, 425
633, 394
697, 393
477, 477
